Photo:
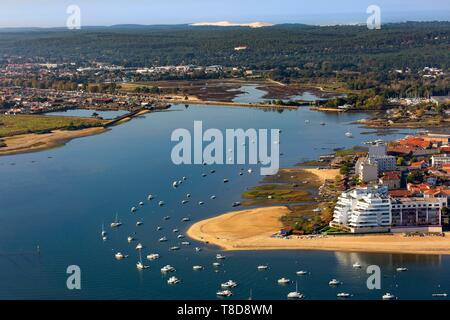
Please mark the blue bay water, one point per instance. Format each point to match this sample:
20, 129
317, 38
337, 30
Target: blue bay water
59, 198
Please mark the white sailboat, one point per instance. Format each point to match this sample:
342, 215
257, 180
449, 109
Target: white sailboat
116, 222
283, 281
140, 265
224, 293
295, 294
104, 237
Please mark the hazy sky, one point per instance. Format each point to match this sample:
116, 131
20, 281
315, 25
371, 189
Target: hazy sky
50, 13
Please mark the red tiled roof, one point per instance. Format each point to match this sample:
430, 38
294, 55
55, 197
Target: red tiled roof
391, 175
415, 142
401, 193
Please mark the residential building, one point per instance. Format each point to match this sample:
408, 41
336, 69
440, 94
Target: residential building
366, 169
391, 179
440, 159
363, 210
372, 209
417, 214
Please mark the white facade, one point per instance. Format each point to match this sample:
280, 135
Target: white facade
366, 169
362, 209
377, 148
438, 160
385, 163
370, 209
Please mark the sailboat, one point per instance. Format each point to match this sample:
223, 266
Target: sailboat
116, 222
295, 294
103, 232
140, 265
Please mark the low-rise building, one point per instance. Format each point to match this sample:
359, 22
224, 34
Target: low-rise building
366, 169
440, 159
391, 179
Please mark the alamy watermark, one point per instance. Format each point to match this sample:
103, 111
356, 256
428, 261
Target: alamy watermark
235, 147
374, 20
73, 281
73, 21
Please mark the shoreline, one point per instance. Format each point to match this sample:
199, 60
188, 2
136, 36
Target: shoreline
32, 142
254, 229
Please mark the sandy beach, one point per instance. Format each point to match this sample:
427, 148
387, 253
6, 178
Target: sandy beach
36, 142
253, 229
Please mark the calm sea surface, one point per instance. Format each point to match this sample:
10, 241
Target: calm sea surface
58, 199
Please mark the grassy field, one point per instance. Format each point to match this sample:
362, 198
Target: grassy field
11, 125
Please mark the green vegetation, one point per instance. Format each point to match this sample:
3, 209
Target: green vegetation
20, 124
273, 193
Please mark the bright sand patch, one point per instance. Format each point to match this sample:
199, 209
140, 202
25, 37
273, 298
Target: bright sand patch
34, 142
252, 230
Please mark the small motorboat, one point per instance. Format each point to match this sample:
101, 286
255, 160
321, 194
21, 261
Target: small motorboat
402, 269
139, 246
161, 203
236, 204
139, 223
200, 203
197, 268
175, 230
175, 184
166, 218
150, 197
133, 209
180, 236
120, 256
348, 134
188, 195
153, 256
173, 280
174, 248
220, 257
388, 296
186, 243
283, 281
229, 284
216, 264
141, 203
302, 273
163, 239
204, 175
225, 180
197, 249
439, 295
130, 239
185, 219
158, 228
343, 295
167, 268
224, 293
356, 265
212, 197
184, 201
334, 282
262, 267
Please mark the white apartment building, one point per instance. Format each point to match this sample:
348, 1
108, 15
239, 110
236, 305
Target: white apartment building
363, 210
377, 148
385, 163
370, 209
438, 160
366, 169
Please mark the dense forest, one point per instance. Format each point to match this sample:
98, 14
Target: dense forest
352, 48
